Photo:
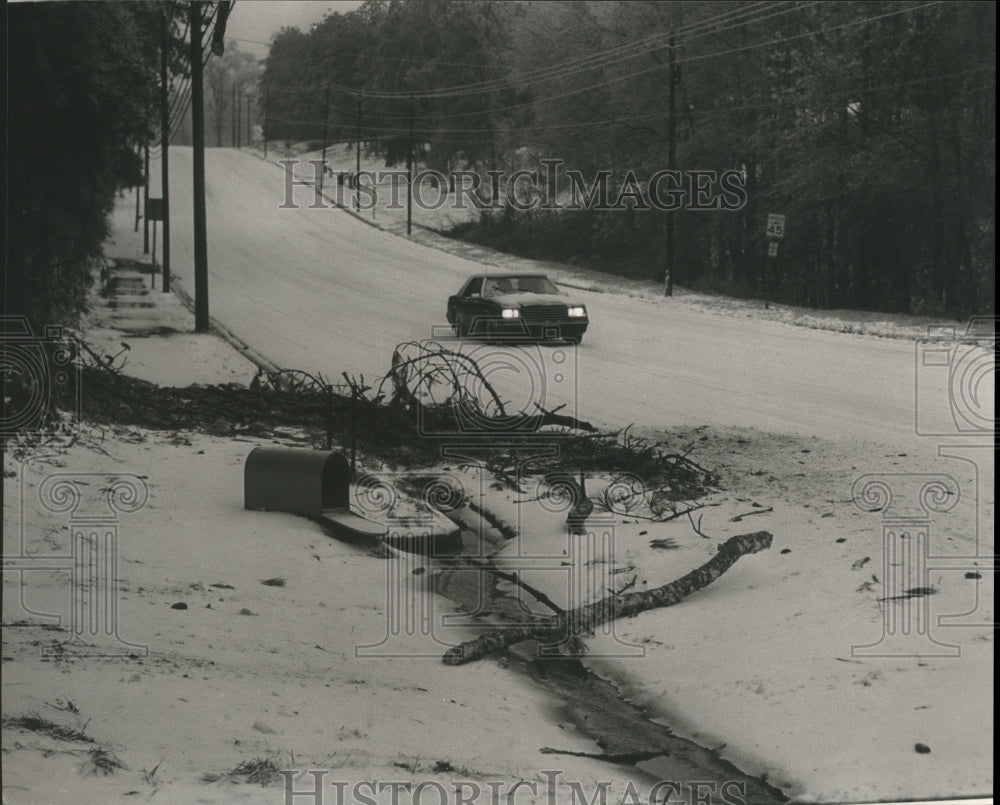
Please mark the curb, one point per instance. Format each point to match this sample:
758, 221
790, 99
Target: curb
219, 329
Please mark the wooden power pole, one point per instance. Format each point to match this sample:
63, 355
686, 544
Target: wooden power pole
409, 175
326, 119
164, 146
201, 318
668, 280
145, 201
357, 158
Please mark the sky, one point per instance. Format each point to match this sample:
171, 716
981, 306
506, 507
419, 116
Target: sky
253, 22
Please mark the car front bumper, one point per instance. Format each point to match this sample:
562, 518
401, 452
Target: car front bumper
530, 329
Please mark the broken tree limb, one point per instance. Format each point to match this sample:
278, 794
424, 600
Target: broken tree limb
513, 578
739, 517
587, 618
417, 367
553, 417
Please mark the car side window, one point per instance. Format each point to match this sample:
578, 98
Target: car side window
474, 288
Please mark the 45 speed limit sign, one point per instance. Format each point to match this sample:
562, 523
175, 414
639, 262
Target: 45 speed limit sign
775, 225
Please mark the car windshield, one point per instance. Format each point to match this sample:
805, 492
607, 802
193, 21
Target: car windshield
498, 286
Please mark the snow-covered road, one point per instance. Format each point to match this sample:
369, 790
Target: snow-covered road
321, 290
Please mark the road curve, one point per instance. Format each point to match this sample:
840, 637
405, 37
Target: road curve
321, 290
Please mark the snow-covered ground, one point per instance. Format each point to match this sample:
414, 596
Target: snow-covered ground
807, 663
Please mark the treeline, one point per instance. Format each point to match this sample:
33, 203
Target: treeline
82, 84
389, 69
869, 125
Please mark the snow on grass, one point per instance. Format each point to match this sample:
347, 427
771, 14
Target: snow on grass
244, 669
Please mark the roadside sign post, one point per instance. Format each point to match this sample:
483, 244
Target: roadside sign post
775, 231
154, 213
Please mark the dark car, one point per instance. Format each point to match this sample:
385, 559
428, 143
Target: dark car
518, 305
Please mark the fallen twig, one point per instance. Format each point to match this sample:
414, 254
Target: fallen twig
739, 517
628, 586
697, 528
513, 578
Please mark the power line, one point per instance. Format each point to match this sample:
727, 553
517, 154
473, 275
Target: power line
376, 124
574, 67
770, 104
206, 41
606, 58
180, 109
784, 39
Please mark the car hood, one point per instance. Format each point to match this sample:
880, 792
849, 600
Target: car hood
511, 299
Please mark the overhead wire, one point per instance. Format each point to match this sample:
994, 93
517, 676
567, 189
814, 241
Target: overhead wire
696, 30
605, 58
908, 9
716, 24
770, 104
727, 18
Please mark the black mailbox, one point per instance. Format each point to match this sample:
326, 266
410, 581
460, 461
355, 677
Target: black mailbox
296, 480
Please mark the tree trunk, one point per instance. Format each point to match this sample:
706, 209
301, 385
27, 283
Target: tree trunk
591, 616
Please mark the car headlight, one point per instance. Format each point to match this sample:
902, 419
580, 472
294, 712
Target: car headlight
510, 313
576, 312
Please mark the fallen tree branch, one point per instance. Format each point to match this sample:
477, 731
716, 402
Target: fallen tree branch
553, 417
624, 758
628, 586
433, 364
697, 528
739, 517
587, 618
513, 578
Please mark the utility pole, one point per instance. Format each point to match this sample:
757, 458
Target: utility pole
249, 132
136, 229
668, 282
232, 113
263, 127
409, 175
145, 202
239, 118
357, 158
326, 117
152, 274
201, 318
164, 146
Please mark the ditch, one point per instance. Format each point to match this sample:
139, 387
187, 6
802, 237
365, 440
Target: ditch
625, 733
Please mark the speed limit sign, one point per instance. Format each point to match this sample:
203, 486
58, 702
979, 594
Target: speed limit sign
775, 225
